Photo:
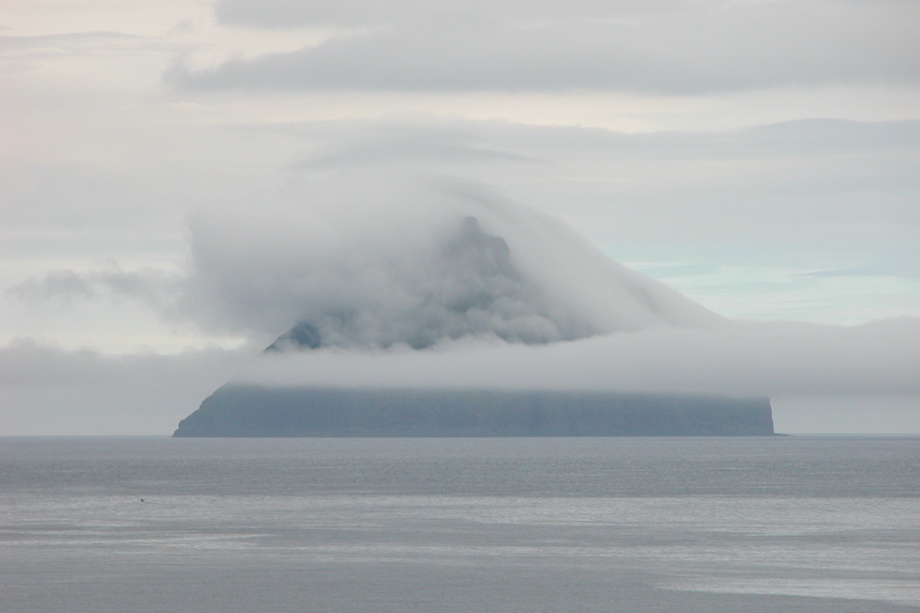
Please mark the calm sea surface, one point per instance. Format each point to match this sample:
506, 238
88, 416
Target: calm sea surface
828, 524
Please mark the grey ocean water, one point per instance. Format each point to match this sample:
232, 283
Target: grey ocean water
827, 524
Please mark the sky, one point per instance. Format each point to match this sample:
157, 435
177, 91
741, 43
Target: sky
178, 177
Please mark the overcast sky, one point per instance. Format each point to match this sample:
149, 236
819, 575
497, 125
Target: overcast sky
761, 157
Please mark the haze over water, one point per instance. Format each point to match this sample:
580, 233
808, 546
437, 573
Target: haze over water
616, 524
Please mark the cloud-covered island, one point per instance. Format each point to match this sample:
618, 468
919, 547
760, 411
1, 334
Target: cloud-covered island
451, 311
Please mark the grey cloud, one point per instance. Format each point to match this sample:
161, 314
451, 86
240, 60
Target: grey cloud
365, 13
686, 50
376, 258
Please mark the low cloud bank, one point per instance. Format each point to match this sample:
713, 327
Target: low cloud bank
775, 359
46, 390
820, 378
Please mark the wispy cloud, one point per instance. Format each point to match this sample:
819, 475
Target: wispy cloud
151, 286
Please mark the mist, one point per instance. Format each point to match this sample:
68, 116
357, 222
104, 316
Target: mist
377, 258
376, 279
46, 390
373, 278
743, 359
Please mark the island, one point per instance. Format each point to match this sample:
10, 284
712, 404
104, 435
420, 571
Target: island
245, 410
499, 277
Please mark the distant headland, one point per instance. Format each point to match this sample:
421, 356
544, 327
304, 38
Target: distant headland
237, 410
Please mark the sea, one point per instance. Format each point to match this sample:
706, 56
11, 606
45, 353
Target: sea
783, 523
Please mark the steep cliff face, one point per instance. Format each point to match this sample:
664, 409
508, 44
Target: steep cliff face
247, 411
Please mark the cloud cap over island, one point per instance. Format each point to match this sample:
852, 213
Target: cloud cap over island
375, 258
366, 289
394, 258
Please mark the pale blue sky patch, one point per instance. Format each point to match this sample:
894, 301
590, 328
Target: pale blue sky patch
776, 294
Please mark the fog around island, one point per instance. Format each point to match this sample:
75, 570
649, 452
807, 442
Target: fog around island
586, 322
414, 280
674, 195
375, 259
